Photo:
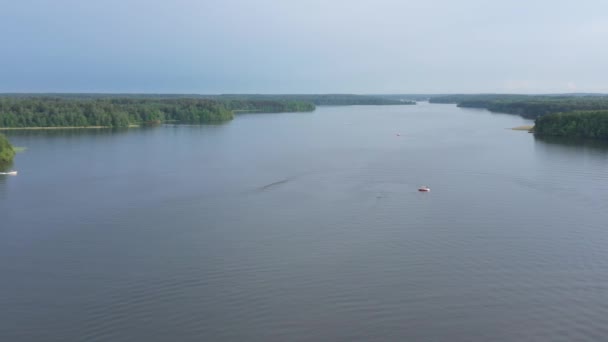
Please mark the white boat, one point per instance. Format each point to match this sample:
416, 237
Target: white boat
10, 173
424, 189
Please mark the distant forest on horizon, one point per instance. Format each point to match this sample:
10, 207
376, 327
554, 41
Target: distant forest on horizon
578, 115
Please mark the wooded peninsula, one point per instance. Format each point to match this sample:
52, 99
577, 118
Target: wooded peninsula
123, 110
582, 116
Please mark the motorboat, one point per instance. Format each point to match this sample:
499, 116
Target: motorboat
10, 173
424, 189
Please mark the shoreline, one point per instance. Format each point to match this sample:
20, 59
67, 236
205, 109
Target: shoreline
529, 128
60, 127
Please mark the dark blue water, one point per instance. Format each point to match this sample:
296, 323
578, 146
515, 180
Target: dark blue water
306, 227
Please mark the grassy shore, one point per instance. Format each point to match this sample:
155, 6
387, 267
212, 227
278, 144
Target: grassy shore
524, 128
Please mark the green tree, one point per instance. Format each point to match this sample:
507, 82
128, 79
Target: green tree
7, 152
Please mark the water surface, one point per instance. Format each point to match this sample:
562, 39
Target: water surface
306, 227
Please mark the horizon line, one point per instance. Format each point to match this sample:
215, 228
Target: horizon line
265, 94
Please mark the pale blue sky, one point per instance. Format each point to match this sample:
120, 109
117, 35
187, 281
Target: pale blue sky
239, 46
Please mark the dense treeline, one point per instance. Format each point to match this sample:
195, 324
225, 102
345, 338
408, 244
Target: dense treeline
581, 124
316, 99
408, 98
319, 99
538, 106
485, 98
7, 152
115, 112
481, 98
528, 106
572, 115
268, 106
120, 112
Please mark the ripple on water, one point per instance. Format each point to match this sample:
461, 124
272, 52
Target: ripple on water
322, 237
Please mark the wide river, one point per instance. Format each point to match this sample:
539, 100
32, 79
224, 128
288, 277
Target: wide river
306, 227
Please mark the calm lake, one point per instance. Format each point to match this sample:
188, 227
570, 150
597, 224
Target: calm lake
306, 227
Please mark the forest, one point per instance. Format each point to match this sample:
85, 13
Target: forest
535, 107
459, 98
571, 115
315, 99
65, 111
7, 152
267, 106
528, 106
580, 124
321, 99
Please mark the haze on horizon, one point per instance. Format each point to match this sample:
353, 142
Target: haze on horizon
337, 46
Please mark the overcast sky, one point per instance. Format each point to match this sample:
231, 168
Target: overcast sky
307, 46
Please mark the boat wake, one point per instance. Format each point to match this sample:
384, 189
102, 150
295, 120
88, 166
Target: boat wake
273, 184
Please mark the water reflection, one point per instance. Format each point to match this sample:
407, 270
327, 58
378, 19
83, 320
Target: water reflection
68, 132
164, 232
573, 143
5, 167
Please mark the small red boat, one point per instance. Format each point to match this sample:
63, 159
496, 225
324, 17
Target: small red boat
424, 189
